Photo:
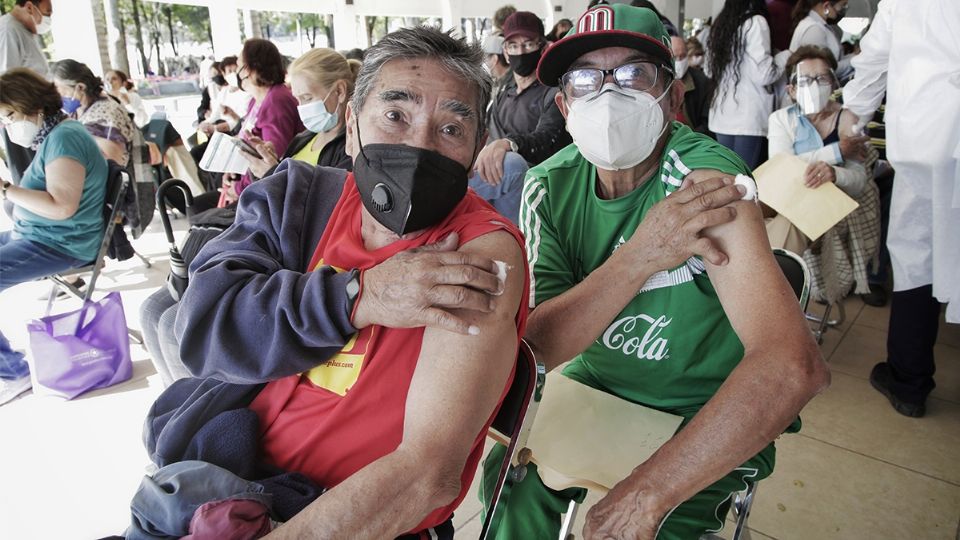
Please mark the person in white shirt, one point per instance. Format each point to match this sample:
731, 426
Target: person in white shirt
121, 87
743, 69
816, 24
911, 54
19, 47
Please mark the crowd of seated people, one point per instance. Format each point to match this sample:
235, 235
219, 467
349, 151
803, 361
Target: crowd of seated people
356, 312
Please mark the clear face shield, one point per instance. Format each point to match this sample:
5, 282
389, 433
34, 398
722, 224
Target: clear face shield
813, 89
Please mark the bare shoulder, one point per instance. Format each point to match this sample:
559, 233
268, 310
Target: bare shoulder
501, 246
847, 120
743, 238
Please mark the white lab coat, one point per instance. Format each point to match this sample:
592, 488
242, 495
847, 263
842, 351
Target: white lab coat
813, 30
745, 109
912, 51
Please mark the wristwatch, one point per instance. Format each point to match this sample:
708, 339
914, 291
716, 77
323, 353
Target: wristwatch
353, 291
6, 186
513, 145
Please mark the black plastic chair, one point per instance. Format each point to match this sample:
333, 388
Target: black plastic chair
511, 427
118, 181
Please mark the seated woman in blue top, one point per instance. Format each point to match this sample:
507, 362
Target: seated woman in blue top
58, 222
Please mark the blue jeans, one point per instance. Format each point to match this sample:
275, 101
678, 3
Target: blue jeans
748, 147
505, 196
23, 260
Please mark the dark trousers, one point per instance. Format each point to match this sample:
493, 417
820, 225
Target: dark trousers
752, 149
914, 321
885, 186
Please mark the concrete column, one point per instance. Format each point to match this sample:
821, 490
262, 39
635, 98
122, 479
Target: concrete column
346, 27
452, 15
225, 28
75, 34
549, 16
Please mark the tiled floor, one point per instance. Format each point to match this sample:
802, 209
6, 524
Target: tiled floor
857, 470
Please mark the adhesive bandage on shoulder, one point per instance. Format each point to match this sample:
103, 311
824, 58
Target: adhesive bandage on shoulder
502, 268
749, 184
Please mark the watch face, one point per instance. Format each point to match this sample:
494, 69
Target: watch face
353, 287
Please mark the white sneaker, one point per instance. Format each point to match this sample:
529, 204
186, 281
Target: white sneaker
12, 389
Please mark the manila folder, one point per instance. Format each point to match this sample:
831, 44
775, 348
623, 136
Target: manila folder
587, 438
813, 211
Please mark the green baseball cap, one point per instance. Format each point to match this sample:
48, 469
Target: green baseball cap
617, 25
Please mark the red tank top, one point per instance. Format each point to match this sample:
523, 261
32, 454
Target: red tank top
332, 421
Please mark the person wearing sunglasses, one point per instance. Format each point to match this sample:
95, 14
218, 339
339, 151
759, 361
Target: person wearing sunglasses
525, 125
653, 278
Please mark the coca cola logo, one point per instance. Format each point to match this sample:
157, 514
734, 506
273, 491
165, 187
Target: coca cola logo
622, 336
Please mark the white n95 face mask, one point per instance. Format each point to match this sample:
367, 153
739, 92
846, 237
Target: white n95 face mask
813, 98
45, 25
22, 132
680, 66
617, 128
232, 79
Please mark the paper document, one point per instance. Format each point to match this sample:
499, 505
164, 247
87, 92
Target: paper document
813, 211
224, 155
587, 438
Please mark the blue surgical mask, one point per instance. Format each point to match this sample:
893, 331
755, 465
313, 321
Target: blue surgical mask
70, 105
315, 116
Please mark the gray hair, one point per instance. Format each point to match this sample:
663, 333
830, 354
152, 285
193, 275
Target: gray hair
72, 73
454, 54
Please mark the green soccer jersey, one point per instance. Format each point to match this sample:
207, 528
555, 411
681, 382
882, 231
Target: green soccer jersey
672, 346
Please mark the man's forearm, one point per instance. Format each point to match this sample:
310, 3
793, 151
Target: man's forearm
751, 409
566, 325
383, 500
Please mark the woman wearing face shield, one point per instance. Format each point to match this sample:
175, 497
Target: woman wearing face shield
57, 206
817, 130
322, 81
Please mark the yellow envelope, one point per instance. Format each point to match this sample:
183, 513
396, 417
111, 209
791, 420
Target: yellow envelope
813, 211
587, 438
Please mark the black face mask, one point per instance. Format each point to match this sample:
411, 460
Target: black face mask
219, 80
406, 188
837, 15
525, 64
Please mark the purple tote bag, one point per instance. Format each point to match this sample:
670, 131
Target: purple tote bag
81, 350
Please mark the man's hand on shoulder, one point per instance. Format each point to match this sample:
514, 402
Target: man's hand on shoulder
672, 230
422, 287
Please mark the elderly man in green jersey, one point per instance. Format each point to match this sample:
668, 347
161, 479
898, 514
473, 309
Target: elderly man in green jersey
661, 304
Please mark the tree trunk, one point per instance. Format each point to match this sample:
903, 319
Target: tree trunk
115, 37
251, 24
139, 35
328, 29
100, 29
210, 35
369, 23
168, 14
